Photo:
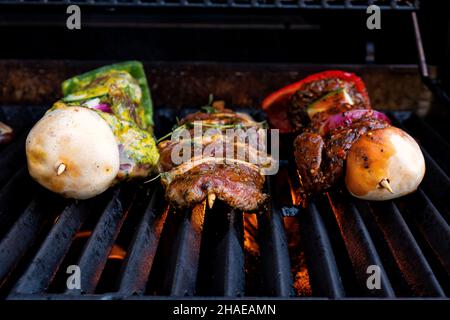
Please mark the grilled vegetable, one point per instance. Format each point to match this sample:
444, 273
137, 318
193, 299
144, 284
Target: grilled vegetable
328, 101
97, 135
73, 151
332, 122
384, 164
278, 104
95, 84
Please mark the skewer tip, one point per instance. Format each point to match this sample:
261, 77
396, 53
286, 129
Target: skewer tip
385, 184
60, 169
211, 199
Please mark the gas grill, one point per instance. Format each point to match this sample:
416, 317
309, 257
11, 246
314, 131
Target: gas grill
130, 244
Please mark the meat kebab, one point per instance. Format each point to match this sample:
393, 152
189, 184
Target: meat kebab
216, 171
340, 135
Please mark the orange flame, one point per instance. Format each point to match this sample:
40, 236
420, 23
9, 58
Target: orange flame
301, 283
250, 233
117, 252
298, 266
297, 199
83, 234
198, 216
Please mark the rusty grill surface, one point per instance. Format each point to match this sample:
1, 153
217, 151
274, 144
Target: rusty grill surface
129, 244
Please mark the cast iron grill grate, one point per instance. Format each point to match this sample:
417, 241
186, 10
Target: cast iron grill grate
288, 4
130, 245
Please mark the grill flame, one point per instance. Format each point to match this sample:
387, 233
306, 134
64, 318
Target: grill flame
250, 233
117, 252
298, 267
295, 193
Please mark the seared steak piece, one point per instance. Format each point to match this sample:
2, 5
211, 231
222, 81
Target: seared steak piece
238, 185
320, 159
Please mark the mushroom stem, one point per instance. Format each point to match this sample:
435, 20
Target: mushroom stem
385, 184
211, 199
61, 168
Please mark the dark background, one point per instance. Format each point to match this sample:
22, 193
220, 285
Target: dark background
232, 35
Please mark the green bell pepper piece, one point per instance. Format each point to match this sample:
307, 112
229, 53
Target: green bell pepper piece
134, 68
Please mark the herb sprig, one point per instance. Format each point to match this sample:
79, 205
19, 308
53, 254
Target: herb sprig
209, 107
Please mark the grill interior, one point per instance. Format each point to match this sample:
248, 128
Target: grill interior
130, 244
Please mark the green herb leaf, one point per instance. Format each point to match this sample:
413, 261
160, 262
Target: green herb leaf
210, 99
209, 108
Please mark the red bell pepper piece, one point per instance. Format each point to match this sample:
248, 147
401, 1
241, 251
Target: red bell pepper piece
276, 104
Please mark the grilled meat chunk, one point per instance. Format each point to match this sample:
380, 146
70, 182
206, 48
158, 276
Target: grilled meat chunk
321, 159
238, 185
224, 169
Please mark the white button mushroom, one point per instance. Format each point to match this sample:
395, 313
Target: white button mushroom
73, 151
384, 164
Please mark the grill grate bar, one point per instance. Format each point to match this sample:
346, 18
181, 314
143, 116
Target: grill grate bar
409, 257
359, 245
181, 274
18, 187
46, 263
95, 253
23, 234
140, 259
436, 183
323, 271
276, 265
435, 144
228, 279
432, 225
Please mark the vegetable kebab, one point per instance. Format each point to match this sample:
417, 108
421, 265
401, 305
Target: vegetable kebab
100, 133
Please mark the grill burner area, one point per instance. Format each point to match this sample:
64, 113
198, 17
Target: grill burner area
129, 244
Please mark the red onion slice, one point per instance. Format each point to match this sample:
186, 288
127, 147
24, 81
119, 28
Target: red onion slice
346, 118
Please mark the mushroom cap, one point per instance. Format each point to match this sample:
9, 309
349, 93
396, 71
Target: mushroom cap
83, 142
390, 154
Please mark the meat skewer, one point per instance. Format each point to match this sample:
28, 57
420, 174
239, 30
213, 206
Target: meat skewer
340, 135
218, 172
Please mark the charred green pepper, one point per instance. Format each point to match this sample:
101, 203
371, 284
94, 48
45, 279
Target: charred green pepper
97, 83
